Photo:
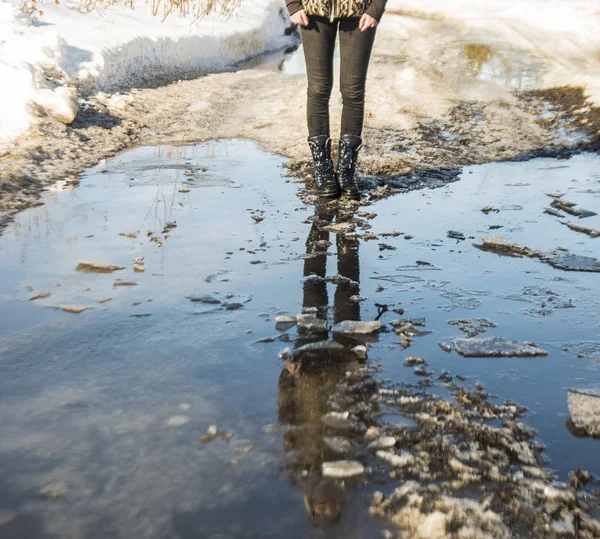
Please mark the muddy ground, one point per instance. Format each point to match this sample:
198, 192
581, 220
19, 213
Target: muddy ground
440, 97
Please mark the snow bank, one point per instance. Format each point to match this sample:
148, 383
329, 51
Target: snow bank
45, 64
564, 33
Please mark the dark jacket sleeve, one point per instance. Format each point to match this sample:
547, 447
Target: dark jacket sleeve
293, 6
376, 9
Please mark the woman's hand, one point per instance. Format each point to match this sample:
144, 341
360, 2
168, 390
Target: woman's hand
300, 18
366, 22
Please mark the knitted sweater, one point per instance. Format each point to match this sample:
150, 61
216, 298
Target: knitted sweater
338, 8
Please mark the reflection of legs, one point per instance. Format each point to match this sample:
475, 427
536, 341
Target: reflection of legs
348, 266
315, 290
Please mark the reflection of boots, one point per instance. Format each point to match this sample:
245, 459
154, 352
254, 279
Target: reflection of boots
346, 167
325, 182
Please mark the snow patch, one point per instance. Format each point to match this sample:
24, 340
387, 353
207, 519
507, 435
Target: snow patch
46, 64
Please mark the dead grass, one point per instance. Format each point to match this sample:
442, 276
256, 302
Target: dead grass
192, 9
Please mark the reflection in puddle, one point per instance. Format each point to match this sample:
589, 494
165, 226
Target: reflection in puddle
478, 54
111, 411
500, 67
288, 62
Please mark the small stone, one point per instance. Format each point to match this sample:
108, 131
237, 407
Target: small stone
337, 420
124, 283
422, 371
170, 224
284, 323
178, 420
93, 267
337, 444
357, 327
340, 228
360, 351
103, 300
208, 300
372, 433
553, 212
413, 361
139, 268
212, 430
445, 347
589, 231
342, 469
397, 461
132, 235
73, 309
40, 295
54, 491
453, 234
385, 442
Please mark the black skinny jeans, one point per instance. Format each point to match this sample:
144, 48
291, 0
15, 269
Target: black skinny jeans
318, 41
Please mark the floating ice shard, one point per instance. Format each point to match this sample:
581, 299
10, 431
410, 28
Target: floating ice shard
342, 469
584, 407
357, 327
496, 347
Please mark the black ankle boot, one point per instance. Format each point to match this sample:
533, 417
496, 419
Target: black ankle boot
346, 167
326, 184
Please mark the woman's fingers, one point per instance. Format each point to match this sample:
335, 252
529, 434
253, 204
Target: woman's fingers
300, 18
366, 22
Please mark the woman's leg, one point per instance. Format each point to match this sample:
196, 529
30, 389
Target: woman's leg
355, 53
318, 41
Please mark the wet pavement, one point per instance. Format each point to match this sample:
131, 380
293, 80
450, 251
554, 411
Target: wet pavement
109, 414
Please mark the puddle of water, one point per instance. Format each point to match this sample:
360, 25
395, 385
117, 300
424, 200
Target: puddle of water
502, 67
286, 62
113, 401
